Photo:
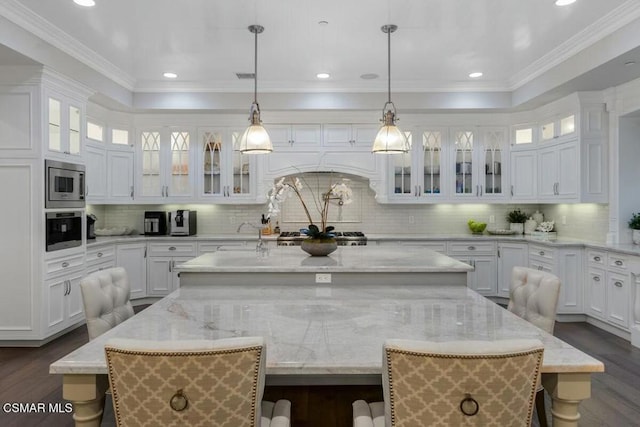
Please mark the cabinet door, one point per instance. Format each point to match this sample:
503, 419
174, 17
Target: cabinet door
569, 271
618, 299
510, 255
337, 137
96, 173
242, 171
56, 295
179, 174
547, 173
524, 173
429, 170
596, 293
492, 169
160, 276
150, 165
120, 176
133, 258
463, 163
568, 158
484, 278
363, 136
305, 136
212, 149
75, 310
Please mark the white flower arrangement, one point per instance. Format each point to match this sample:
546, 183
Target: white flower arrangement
546, 226
283, 189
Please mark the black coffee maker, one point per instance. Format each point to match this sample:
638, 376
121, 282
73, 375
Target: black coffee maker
91, 226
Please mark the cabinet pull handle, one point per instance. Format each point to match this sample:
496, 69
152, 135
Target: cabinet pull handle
65, 264
170, 264
618, 284
419, 190
596, 278
172, 248
541, 253
99, 254
86, 190
481, 191
131, 192
618, 262
471, 248
539, 267
145, 252
512, 191
597, 258
477, 190
67, 288
166, 191
498, 253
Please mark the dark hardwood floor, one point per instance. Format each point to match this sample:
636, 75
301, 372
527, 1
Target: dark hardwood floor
615, 402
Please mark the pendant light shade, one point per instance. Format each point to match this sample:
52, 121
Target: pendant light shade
255, 139
390, 139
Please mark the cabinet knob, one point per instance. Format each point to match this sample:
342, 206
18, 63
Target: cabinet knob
596, 278
597, 258
618, 262
618, 284
541, 253
65, 264
172, 248
99, 254
471, 248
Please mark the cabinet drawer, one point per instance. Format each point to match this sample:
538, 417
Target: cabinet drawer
596, 258
472, 248
62, 265
542, 266
541, 253
206, 247
618, 262
101, 254
172, 248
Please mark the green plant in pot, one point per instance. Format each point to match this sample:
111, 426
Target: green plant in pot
516, 219
634, 225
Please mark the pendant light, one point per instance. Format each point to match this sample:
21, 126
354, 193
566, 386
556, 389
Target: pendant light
390, 139
255, 140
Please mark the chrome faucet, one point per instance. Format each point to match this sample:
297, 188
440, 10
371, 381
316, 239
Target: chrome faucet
261, 247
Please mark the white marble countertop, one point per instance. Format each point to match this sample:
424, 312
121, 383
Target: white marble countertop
351, 259
335, 331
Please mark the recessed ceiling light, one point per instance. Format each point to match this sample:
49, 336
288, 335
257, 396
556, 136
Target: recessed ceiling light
475, 75
85, 3
564, 2
170, 75
323, 75
369, 76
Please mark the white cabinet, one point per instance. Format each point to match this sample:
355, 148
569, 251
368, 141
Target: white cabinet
163, 257
349, 137
215, 246
133, 258
96, 172
295, 137
559, 127
439, 246
164, 169
524, 173
64, 116
558, 172
609, 295
566, 264
481, 255
63, 296
225, 175
120, 172
510, 254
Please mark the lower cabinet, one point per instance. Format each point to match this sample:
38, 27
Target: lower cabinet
133, 258
608, 290
566, 263
64, 300
510, 255
482, 257
162, 276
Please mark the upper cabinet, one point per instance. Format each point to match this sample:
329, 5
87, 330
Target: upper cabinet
164, 169
294, 137
64, 117
349, 137
224, 175
559, 127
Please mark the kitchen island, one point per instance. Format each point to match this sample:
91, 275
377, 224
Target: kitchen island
326, 335
348, 265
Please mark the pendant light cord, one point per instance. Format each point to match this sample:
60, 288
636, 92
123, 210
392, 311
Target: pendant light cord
389, 64
255, 69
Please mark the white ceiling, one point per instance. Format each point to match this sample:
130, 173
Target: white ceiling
518, 45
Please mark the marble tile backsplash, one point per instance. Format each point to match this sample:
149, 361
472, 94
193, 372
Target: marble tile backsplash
584, 221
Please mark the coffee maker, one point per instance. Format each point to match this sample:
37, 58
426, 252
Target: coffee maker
91, 226
155, 223
182, 223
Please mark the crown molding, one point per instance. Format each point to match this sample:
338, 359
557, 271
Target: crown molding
40, 27
607, 25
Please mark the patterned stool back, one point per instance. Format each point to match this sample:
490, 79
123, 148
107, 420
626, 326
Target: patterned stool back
187, 383
464, 383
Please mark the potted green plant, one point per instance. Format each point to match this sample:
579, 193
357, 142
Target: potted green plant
634, 225
516, 219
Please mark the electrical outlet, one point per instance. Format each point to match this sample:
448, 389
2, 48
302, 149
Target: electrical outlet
492, 219
412, 220
564, 220
323, 277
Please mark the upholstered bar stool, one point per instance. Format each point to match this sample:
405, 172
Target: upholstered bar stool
105, 295
456, 383
189, 383
533, 295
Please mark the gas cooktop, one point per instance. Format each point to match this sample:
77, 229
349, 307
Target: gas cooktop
344, 238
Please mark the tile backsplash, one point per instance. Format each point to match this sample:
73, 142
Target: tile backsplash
583, 221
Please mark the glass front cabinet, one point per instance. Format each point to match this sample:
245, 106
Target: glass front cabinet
164, 166
225, 174
477, 158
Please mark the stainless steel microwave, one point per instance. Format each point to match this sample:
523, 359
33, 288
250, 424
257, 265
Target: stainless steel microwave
64, 184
